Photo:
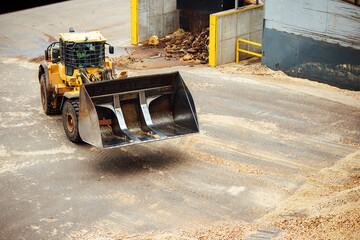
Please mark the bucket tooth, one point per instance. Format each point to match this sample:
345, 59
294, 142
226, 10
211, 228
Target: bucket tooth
120, 117
116, 108
147, 117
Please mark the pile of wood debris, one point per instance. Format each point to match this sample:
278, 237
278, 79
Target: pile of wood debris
186, 45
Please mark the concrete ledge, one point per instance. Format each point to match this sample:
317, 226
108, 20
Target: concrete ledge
228, 26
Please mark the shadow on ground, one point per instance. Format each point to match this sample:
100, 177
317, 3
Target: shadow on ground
136, 160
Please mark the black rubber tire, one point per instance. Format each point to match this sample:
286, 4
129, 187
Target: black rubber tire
70, 113
47, 99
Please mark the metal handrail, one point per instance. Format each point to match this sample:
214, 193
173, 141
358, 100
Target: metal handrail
238, 49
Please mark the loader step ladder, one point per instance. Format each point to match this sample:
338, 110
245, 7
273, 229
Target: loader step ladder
238, 49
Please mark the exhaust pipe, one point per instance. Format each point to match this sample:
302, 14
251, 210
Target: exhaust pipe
135, 110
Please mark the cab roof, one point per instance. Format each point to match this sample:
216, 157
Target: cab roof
93, 36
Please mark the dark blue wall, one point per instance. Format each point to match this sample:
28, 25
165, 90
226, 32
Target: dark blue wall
312, 59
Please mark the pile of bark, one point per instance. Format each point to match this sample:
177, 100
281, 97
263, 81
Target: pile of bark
186, 45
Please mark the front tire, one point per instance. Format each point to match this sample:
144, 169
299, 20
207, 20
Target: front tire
47, 99
70, 114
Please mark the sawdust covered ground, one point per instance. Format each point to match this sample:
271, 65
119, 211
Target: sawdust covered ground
236, 230
253, 67
327, 206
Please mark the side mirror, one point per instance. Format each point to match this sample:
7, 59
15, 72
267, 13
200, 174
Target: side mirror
111, 49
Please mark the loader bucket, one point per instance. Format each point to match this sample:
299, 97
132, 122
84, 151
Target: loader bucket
134, 110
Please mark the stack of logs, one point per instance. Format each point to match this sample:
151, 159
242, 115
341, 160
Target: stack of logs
188, 46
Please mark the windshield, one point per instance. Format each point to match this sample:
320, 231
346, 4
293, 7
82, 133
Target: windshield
84, 55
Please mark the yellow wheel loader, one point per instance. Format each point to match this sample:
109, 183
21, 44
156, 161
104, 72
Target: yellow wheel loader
78, 81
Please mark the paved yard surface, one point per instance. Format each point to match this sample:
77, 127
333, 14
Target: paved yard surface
259, 140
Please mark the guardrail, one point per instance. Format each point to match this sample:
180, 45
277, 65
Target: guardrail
238, 49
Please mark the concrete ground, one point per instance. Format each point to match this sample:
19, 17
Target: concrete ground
259, 140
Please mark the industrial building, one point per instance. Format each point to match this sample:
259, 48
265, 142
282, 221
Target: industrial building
317, 40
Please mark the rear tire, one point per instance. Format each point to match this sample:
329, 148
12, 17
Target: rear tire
70, 115
47, 99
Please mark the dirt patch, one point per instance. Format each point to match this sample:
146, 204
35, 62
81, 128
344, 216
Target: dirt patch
38, 59
251, 66
224, 231
178, 48
148, 58
234, 231
204, 140
237, 166
351, 143
189, 46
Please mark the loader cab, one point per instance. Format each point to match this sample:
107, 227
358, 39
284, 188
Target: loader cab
76, 50
81, 50
76, 55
